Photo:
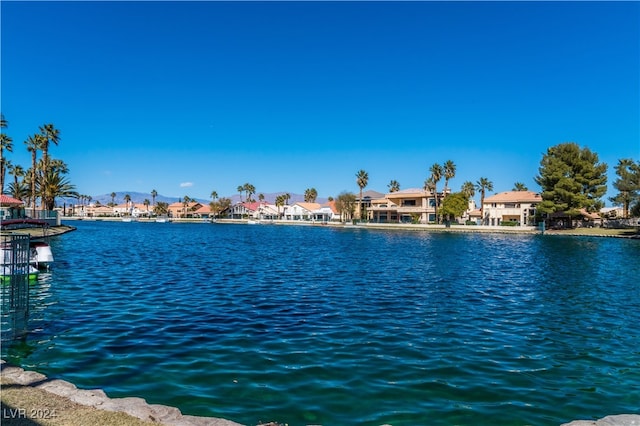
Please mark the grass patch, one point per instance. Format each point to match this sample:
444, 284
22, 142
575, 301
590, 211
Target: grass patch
607, 232
28, 406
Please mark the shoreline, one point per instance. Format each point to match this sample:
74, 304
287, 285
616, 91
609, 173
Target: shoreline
29, 397
632, 233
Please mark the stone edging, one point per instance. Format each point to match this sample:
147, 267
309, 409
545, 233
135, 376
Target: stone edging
617, 420
96, 398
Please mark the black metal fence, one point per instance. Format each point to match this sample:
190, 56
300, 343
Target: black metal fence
15, 268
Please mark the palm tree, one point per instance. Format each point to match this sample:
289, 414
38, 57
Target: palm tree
519, 186
3, 123
146, 203
261, 197
393, 186
113, 198
224, 203
50, 135
468, 189
280, 199
287, 197
482, 185
154, 194
310, 195
55, 185
250, 190
161, 208
449, 173
214, 195
362, 179
127, 199
240, 190
436, 174
19, 190
6, 143
33, 144
17, 171
59, 166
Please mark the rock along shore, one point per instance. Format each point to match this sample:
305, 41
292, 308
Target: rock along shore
27, 395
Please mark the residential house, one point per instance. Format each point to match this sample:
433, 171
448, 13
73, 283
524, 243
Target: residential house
517, 207
132, 209
405, 206
243, 210
204, 212
182, 210
472, 214
326, 213
258, 210
584, 219
367, 198
267, 211
11, 208
93, 210
589, 220
301, 211
122, 209
615, 212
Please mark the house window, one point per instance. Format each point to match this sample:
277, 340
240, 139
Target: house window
510, 206
408, 203
432, 202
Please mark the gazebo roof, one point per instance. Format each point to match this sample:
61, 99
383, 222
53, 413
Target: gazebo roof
5, 200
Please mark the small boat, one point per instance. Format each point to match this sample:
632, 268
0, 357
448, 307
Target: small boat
6, 273
40, 254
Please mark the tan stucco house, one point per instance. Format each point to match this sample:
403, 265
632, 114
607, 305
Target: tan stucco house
511, 206
404, 206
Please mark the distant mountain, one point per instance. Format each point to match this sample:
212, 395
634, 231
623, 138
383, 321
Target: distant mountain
139, 197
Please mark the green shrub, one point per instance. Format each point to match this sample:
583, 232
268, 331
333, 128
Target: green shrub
509, 223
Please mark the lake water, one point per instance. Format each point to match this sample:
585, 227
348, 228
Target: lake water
317, 325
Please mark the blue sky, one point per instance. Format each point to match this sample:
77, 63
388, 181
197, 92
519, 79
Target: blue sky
191, 97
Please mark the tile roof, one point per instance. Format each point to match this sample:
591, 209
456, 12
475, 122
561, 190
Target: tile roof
204, 209
332, 206
408, 191
253, 206
5, 200
370, 194
514, 197
587, 215
475, 213
310, 206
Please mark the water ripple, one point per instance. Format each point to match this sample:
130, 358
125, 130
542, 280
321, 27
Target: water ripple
329, 326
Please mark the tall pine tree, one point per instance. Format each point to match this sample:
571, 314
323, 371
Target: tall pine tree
571, 178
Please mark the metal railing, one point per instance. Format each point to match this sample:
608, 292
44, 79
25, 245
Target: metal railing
14, 282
